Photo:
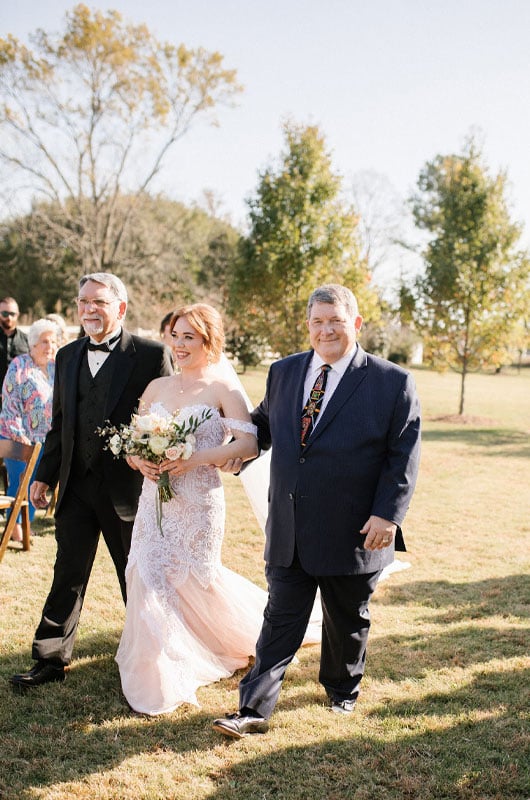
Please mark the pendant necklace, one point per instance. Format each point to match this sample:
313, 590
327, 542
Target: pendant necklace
181, 390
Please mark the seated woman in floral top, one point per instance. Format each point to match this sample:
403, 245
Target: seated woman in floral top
27, 394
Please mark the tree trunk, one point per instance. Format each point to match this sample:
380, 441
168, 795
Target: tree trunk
464, 362
462, 386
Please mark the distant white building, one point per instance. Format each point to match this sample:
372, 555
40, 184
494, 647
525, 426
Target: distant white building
416, 358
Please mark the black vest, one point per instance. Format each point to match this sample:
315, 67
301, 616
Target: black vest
91, 402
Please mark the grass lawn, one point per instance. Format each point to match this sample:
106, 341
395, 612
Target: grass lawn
444, 711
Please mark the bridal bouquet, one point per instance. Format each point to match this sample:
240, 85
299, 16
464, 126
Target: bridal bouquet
156, 438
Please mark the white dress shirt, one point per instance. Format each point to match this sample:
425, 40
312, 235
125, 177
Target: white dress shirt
334, 375
96, 358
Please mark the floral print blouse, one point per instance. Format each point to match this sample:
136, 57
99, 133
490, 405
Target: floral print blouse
27, 393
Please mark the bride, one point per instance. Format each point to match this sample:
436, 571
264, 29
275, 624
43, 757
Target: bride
189, 620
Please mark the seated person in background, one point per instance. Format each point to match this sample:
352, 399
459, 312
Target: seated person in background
62, 330
27, 399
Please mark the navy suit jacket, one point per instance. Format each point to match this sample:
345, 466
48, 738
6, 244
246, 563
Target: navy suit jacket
137, 362
361, 459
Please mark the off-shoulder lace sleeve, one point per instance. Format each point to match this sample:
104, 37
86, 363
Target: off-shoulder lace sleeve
239, 425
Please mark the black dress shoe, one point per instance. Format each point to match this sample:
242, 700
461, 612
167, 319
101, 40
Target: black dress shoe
237, 725
42, 672
342, 706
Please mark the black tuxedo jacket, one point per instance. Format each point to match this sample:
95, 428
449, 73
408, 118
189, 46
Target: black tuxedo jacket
361, 459
137, 362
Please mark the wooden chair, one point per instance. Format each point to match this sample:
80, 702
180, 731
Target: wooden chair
28, 453
3, 474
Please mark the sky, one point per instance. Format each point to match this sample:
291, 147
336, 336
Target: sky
390, 83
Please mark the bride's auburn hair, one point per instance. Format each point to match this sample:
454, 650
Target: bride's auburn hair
208, 323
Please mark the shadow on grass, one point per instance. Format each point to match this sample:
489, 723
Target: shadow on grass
414, 657
499, 441
72, 731
66, 732
480, 757
474, 749
508, 596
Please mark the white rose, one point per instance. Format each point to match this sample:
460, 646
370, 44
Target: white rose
146, 423
190, 438
187, 450
158, 444
115, 444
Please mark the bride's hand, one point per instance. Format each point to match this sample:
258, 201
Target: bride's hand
147, 468
178, 466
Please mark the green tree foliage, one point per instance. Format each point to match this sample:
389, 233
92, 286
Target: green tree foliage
87, 118
301, 235
37, 268
467, 302
518, 335
246, 347
169, 255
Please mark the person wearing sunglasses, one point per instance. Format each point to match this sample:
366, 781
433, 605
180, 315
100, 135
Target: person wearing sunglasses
13, 341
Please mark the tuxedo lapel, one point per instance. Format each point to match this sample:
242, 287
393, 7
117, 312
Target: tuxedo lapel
122, 368
295, 388
71, 380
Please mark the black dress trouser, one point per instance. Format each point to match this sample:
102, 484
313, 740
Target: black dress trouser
86, 510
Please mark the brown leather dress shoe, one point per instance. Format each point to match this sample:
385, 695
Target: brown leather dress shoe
237, 725
42, 672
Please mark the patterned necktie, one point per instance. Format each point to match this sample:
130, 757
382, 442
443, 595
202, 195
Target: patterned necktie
314, 402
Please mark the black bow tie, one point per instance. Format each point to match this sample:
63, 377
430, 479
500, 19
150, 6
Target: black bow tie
105, 346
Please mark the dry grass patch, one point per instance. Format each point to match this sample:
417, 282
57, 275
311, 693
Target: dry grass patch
444, 710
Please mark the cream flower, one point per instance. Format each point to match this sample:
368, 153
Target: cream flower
149, 423
115, 444
187, 450
158, 444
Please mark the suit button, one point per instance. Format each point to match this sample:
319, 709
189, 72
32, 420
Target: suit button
302, 460
291, 496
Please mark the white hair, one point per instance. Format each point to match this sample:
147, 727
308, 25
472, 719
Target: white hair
112, 282
39, 327
62, 330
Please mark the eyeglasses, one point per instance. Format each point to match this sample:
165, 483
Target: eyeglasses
84, 302
7, 314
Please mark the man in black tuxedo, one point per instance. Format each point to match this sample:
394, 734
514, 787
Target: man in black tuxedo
345, 433
97, 378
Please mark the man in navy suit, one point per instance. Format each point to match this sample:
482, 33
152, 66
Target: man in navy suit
97, 378
336, 502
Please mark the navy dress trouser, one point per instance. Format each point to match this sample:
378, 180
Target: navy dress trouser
346, 623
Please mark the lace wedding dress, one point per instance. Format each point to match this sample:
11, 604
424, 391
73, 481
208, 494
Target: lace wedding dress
189, 620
